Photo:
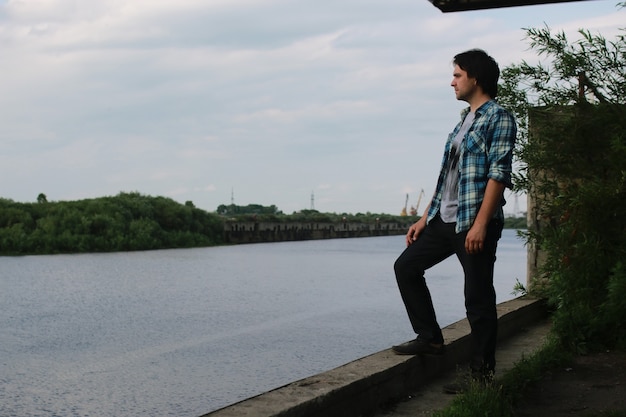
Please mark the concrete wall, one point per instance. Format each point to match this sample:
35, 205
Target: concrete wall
362, 387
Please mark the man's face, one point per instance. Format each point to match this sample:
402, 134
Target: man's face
464, 86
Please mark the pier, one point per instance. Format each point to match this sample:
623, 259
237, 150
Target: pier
257, 232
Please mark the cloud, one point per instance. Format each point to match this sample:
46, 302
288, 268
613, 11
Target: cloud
270, 98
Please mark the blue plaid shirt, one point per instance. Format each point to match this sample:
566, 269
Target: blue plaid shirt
486, 153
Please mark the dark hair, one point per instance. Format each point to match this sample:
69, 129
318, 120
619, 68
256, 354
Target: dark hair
479, 65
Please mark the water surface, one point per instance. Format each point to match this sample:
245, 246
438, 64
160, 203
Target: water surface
185, 332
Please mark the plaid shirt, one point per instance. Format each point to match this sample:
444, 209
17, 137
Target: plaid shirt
486, 153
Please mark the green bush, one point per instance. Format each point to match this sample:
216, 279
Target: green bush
572, 115
128, 221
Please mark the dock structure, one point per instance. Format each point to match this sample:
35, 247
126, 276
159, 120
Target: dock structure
261, 232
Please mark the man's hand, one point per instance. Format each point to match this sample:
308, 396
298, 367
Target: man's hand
415, 230
475, 239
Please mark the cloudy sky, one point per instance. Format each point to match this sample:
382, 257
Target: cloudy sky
262, 101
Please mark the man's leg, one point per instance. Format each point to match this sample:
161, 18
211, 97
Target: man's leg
432, 247
480, 299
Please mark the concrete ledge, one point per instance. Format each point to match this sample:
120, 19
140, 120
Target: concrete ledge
361, 387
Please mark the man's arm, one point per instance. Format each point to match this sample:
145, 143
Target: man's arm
476, 235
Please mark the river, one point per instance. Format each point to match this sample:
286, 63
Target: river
184, 332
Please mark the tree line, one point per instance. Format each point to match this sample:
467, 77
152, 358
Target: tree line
126, 222
132, 221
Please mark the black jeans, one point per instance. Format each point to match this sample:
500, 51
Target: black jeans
437, 242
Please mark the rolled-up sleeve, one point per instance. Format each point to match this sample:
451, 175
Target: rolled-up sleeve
504, 132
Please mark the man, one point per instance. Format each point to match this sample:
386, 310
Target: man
464, 217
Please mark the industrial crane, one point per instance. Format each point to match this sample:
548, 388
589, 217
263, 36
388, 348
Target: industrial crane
406, 201
415, 210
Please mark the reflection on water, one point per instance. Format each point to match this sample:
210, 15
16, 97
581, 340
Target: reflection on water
184, 332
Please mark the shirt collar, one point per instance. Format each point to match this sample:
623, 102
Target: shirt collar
479, 110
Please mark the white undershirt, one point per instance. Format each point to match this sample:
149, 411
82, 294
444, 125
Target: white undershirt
450, 196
